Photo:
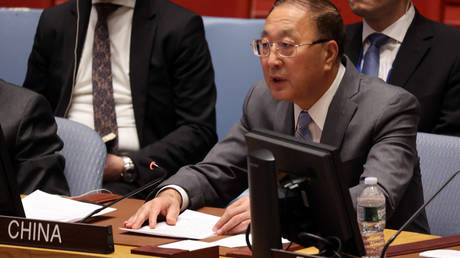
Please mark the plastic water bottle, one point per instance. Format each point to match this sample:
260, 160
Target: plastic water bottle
371, 217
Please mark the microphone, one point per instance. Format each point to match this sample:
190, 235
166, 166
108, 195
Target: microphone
414, 216
153, 166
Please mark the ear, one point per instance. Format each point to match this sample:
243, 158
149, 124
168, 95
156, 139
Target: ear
331, 50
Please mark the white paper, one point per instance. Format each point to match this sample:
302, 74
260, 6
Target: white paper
41, 205
441, 253
237, 241
190, 225
189, 245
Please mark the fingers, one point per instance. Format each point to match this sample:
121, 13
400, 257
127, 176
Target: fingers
232, 210
236, 224
167, 203
235, 218
140, 216
153, 215
172, 209
223, 219
173, 213
240, 228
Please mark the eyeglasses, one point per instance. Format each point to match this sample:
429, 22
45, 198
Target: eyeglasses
262, 47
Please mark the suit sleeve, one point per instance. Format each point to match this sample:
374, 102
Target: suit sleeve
449, 115
392, 157
222, 175
35, 159
192, 78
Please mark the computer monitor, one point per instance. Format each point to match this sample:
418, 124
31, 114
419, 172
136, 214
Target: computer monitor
10, 201
296, 190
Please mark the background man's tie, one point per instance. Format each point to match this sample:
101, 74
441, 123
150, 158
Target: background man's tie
105, 120
372, 57
302, 131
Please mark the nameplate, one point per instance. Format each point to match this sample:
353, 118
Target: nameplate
56, 235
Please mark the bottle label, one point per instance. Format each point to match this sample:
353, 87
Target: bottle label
374, 214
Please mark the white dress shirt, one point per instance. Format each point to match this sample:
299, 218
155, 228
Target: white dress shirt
388, 51
318, 111
81, 107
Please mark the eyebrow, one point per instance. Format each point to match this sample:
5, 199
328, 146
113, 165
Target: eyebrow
288, 32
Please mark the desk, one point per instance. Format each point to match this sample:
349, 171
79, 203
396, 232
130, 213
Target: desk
403, 238
124, 242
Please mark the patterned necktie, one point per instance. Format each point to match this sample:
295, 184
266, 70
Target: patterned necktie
105, 120
372, 57
302, 131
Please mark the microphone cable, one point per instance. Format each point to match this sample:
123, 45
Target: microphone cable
134, 192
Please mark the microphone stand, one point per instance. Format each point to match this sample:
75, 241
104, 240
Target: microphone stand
416, 214
135, 191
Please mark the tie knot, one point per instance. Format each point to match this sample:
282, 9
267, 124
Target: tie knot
377, 39
304, 119
302, 131
105, 9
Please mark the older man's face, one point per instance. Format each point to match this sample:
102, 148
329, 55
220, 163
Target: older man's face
297, 78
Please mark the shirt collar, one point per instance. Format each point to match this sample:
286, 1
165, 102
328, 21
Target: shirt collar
318, 111
395, 31
126, 3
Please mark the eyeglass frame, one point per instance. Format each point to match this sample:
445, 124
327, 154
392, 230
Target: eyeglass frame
254, 48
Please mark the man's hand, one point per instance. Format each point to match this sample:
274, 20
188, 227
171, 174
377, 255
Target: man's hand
167, 203
113, 168
235, 219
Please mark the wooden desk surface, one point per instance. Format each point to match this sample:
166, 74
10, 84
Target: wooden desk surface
403, 238
124, 242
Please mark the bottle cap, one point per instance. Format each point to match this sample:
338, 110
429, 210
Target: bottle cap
370, 180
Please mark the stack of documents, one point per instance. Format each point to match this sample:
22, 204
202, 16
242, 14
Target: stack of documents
44, 206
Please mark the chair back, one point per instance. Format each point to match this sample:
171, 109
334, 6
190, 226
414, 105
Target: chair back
84, 153
236, 68
17, 31
439, 159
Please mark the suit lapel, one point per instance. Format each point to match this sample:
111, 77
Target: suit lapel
416, 43
287, 124
84, 12
342, 107
142, 37
68, 45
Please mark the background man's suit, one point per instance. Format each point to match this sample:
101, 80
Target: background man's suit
372, 123
171, 75
428, 66
30, 133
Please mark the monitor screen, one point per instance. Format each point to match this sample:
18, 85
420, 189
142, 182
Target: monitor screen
296, 190
10, 201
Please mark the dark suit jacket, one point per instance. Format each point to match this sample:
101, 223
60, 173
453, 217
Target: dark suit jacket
428, 66
30, 133
373, 125
171, 75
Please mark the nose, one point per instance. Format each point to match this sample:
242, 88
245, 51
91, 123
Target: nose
273, 59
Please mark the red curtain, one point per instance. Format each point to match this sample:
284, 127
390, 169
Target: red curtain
231, 8
27, 3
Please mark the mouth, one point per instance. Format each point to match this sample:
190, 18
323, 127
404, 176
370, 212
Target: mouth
276, 79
